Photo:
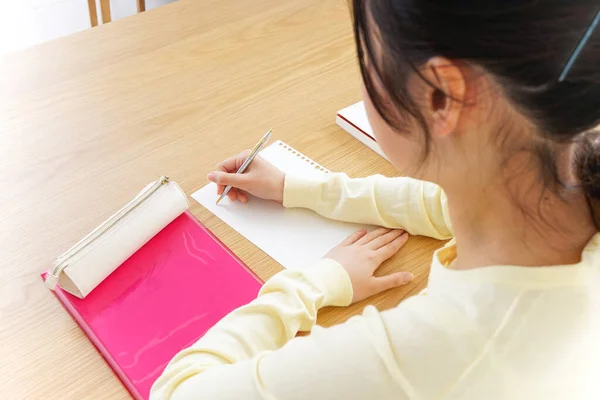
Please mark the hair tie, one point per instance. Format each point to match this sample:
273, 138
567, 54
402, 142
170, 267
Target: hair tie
579, 47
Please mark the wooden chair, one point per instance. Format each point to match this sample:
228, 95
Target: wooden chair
93, 12
105, 10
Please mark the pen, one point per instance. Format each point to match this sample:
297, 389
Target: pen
259, 146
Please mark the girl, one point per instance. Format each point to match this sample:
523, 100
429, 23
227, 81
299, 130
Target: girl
490, 101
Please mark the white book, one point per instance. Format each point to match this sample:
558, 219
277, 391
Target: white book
353, 119
293, 237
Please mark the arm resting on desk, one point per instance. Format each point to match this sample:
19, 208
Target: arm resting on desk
252, 354
287, 304
419, 207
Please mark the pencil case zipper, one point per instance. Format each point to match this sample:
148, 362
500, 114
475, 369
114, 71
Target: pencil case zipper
62, 261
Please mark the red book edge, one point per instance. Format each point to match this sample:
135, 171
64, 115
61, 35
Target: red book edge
60, 295
356, 127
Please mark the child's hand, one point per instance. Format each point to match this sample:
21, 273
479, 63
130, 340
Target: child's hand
362, 253
261, 179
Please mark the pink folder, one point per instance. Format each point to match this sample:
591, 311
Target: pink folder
161, 300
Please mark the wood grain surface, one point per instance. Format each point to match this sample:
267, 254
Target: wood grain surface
87, 120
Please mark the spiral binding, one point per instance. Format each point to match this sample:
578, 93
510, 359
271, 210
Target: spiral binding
303, 157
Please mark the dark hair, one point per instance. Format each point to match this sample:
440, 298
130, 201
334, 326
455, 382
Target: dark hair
524, 45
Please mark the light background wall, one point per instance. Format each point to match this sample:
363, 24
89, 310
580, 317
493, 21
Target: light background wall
24, 23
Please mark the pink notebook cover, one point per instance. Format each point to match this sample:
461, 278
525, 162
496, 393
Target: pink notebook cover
161, 300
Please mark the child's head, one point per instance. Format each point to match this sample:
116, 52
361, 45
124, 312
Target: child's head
469, 91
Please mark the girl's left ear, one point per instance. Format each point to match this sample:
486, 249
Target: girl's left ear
445, 96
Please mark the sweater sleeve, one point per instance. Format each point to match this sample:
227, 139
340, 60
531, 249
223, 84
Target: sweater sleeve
287, 303
419, 207
253, 353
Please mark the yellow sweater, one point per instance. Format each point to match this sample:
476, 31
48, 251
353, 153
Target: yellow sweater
502, 332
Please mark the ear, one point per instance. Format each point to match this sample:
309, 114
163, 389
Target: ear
445, 99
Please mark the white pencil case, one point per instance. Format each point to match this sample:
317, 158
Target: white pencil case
85, 265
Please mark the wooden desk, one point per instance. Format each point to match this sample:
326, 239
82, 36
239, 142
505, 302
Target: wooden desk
88, 120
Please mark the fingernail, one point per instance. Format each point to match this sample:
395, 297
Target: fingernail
408, 277
211, 176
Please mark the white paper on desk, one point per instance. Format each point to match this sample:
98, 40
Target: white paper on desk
293, 237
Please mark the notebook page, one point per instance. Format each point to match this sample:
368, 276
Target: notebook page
294, 238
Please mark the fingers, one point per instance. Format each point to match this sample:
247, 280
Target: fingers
224, 179
226, 175
372, 235
232, 194
384, 239
232, 164
388, 250
236, 194
392, 280
354, 237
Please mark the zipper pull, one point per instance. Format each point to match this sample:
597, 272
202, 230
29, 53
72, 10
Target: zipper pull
61, 262
51, 281
54, 274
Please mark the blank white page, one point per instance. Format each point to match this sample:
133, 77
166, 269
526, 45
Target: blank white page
293, 237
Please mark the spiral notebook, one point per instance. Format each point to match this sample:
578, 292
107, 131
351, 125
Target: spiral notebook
293, 237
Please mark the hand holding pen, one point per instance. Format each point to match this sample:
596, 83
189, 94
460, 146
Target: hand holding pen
258, 177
